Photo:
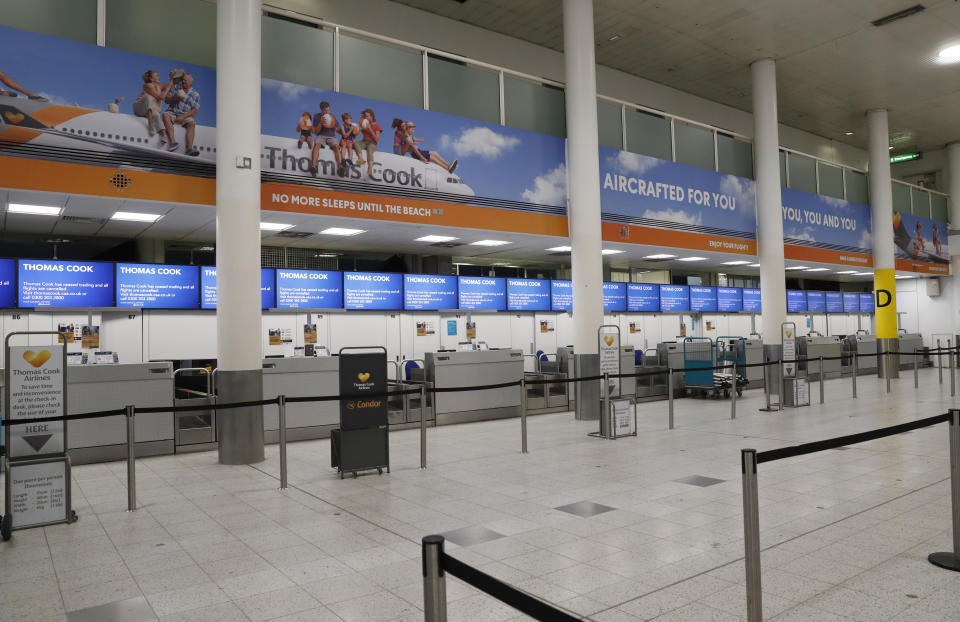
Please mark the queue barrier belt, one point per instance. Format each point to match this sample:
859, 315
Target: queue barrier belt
503, 385
507, 594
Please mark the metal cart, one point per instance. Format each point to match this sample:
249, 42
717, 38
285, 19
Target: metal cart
699, 354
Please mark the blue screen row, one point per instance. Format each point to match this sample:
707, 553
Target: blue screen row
31, 283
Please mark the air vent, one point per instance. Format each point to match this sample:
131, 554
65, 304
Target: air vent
446, 244
883, 21
294, 235
83, 220
120, 180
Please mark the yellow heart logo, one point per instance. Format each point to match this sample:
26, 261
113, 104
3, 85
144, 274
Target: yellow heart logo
608, 340
14, 118
789, 334
36, 358
363, 376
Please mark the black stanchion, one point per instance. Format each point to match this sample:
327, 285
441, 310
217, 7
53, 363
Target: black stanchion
951, 560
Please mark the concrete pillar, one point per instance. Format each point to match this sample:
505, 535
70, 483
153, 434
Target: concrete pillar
766, 155
884, 267
583, 196
239, 357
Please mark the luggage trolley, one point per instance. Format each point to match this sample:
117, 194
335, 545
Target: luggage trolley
732, 354
699, 354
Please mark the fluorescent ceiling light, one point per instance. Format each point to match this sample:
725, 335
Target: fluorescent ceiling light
325, 255
437, 238
489, 243
903, 276
848, 133
341, 231
797, 268
738, 262
273, 226
863, 273
847, 272
890, 148
610, 251
560, 249
660, 256
206, 249
949, 54
136, 217
754, 265
692, 259
35, 210
615, 37
816, 269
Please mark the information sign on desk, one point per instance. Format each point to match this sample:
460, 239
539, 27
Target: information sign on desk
35, 381
624, 423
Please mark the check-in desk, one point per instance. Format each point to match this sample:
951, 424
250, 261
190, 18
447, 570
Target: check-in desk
470, 368
827, 347
301, 377
106, 387
910, 343
670, 353
754, 356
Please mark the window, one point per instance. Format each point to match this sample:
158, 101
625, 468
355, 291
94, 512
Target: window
459, 89
379, 71
901, 198
920, 202
533, 106
184, 30
783, 169
609, 129
856, 184
802, 171
296, 52
648, 134
734, 156
831, 180
70, 19
694, 145
938, 208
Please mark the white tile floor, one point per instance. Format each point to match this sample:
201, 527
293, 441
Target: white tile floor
846, 533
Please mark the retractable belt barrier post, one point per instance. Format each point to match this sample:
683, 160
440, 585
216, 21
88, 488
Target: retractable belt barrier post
733, 394
670, 398
523, 416
939, 362
856, 370
916, 368
953, 382
423, 425
751, 534
822, 378
434, 581
131, 412
948, 560
282, 414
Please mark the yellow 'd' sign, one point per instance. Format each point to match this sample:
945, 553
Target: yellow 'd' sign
885, 300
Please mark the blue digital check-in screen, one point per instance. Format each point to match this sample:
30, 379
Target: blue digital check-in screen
309, 289
866, 303
482, 293
372, 290
729, 300
153, 286
674, 298
429, 292
528, 295
751, 300
816, 302
8, 283
851, 302
643, 297
614, 296
51, 283
796, 301
561, 295
703, 299
834, 302
208, 288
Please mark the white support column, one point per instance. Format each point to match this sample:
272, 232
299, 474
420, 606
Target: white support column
766, 154
583, 197
239, 358
953, 187
881, 216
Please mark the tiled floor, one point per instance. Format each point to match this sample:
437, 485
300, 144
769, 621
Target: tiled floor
846, 534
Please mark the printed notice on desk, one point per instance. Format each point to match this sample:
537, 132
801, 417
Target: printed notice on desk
308, 289
372, 290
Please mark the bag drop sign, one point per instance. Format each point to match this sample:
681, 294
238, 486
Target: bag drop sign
35, 383
38, 492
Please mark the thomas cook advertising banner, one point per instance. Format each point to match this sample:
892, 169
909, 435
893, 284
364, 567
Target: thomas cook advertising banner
826, 229
920, 244
651, 201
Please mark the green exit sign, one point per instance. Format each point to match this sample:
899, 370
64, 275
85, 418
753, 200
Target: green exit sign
905, 157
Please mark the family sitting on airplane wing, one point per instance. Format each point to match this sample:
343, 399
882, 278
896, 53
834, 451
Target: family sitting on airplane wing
356, 141
183, 103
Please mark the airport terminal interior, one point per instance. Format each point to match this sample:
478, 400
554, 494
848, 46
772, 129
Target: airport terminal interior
479, 310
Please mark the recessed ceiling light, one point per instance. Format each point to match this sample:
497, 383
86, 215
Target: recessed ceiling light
660, 256
692, 259
754, 265
797, 268
273, 226
615, 37
206, 249
136, 217
863, 273
324, 254
889, 148
847, 272
848, 133
737, 262
341, 231
610, 251
437, 238
35, 210
949, 54
560, 249
489, 243
903, 276
816, 269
